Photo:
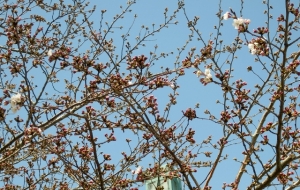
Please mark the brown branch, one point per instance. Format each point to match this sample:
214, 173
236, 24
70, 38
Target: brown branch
274, 174
99, 172
253, 142
211, 172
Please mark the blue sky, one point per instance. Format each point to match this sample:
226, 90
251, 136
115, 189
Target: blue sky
191, 91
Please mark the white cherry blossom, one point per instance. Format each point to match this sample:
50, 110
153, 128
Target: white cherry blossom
226, 15
252, 49
199, 73
240, 21
14, 100
49, 53
137, 171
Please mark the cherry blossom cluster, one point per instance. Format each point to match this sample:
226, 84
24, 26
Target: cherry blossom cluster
280, 29
291, 111
190, 113
168, 133
29, 132
285, 178
62, 131
81, 63
59, 145
241, 94
191, 155
117, 83
99, 67
137, 62
276, 95
85, 152
232, 185
190, 136
265, 140
16, 102
261, 30
110, 137
109, 166
225, 116
227, 15
187, 63
106, 156
147, 136
139, 172
181, 72
52, 162
93, 86
259, 46
128, 158
240, 24
288, 133
293, 10
281, 18
89, 111
222, 141
62, 53
14, 30
207, 188
159, 118
207, 76
151, 102
223, 77
293, 66
268, 127
159, 82
297, 88
206, 53
86, 184
15, 68
296, 145
187, 168
110, 102
165, 154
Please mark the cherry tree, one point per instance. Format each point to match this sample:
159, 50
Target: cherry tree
262, 118
83, 108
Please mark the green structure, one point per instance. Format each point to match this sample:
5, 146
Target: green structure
173, 184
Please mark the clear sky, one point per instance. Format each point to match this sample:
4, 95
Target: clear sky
191, 90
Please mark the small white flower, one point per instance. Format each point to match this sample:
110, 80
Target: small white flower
172, 85
226, 15
208, 76
207, 73
49, 52
240, 21
130, 83
247, 21
199, 73
252, 49
251, 46
137, 171
237, 22
14, 100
